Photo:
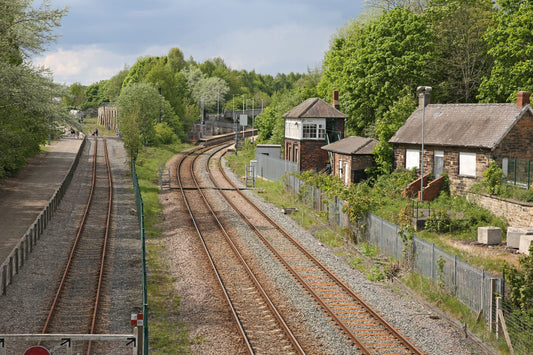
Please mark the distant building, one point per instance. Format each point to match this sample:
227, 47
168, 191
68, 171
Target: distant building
463, 139
351, 156
107, 116
309, 126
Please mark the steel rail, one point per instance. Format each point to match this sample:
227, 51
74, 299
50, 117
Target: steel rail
104, 247
341, 284
250, 273
77, 239
270, 304
211, 261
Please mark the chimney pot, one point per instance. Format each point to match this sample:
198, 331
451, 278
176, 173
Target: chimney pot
421, 99
522, 98
335, 102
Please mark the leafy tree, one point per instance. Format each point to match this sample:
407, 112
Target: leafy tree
95, 96
139, 107
206, 89
373, 64
113, 86
140, 69
175, 60
75, 95
511, 46
29, 110
386, 126
462, 58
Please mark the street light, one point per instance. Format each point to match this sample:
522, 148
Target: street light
425, 90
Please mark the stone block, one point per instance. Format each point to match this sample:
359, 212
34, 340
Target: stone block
525, 241
513, 235
489, 235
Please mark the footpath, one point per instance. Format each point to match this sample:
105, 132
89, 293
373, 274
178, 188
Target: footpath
23, 196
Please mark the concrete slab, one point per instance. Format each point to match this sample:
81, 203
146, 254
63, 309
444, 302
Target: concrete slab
489, 235
525, 242
513, 235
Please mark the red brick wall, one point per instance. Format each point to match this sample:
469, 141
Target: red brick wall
312, 157
518, 144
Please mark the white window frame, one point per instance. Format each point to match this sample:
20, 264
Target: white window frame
505, 166
412, 156
467, 164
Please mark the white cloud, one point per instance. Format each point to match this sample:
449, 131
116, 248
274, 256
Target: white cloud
84, 64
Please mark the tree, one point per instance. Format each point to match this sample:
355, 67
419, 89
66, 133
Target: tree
462, 58
372, 65
75, 96
386, 126
113, 86
511, 47
139, 107
175, 59
30, 104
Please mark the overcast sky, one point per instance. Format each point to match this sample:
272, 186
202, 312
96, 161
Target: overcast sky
269, 36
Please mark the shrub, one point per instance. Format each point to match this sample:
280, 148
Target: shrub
164, 134
493, 179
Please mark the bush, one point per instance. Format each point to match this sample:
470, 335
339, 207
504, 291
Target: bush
164, 134
493, 179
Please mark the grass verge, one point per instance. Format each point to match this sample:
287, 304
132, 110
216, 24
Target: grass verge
167, 334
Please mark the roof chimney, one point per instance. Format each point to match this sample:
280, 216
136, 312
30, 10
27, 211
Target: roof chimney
335, 102
421, 101
522, 98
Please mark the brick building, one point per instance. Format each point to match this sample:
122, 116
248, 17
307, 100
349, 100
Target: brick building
309, 126
351, 156
463, 139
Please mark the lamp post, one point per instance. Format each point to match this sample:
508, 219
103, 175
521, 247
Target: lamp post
425, 90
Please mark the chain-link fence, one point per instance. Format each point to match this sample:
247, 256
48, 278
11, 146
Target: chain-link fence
140, 215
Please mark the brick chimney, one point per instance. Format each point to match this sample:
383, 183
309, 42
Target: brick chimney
335, 102
421, 99
522, 98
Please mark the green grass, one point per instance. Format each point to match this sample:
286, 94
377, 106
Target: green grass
447, 303
167, 335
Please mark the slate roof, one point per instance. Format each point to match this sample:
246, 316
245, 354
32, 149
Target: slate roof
352, 146
461, 125
314, 108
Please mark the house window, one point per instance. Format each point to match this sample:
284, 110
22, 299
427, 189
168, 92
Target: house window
505, 166
310, 130
412, 158
438, 163
467, 164
321, 131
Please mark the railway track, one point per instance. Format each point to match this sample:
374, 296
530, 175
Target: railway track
260, 324
360, 323
75, 306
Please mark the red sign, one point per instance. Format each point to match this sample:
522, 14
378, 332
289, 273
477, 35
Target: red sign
37, 350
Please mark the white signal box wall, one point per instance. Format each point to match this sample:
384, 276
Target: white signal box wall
243, 120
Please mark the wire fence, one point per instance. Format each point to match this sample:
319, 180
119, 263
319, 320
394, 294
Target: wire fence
474, 287
519, 326
517, 172
140, 215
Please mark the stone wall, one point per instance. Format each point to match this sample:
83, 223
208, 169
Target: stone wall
516, 212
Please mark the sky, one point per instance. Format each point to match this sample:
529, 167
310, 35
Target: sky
99, 38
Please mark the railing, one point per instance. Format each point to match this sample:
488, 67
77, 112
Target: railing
140, 215
20, 253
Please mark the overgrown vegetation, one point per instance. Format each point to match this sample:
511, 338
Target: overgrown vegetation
494, 183
167, 335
